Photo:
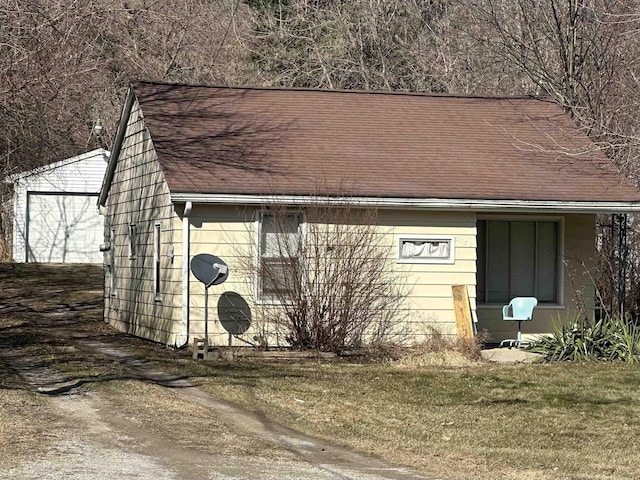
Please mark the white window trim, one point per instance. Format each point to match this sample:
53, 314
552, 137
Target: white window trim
450, 260
157, 232
112, 261
561, 257
258, 300
133, 239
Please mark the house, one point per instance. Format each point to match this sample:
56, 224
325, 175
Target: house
504, 192
55, 217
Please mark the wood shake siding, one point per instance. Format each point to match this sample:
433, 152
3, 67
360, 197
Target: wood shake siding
139, 196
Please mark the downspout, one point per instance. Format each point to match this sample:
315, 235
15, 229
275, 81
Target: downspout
183, 339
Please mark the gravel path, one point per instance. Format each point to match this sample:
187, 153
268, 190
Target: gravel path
98, 443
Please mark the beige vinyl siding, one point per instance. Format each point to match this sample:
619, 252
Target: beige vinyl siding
576, 254
139, 195
228, 232
430, 302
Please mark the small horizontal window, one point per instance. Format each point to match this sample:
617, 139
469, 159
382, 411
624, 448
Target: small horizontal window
431, 249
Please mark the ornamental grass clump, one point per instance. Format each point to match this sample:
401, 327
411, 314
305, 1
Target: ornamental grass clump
609, 339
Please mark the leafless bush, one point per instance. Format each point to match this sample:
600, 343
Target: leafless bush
327, 283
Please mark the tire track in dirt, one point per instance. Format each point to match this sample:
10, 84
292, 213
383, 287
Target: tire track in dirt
99, 442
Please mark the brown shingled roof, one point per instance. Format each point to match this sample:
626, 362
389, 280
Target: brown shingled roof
302, 142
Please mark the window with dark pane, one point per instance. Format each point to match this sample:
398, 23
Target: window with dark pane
517, 258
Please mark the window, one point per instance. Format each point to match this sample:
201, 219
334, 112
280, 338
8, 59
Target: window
518, 258
112, 261
156, 261
432, 249
132, 240
279, 246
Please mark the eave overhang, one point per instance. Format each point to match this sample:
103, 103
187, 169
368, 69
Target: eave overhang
528, 206
117, 145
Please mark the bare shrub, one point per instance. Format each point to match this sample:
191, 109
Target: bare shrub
327, 283
471, 348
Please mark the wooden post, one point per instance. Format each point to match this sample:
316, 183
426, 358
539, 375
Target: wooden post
464, 322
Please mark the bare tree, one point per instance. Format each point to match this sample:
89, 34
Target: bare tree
575, 52
364, 44
64, 64
586, 56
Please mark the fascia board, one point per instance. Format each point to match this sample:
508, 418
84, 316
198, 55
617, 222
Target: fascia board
531, 206
117, 145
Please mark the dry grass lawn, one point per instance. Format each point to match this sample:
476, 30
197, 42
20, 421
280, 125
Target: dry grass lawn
570, 421
26, 420
478, 421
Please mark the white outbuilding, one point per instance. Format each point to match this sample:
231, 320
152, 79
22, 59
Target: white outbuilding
55, 211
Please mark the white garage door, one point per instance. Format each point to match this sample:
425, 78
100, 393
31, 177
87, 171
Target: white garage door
63, 228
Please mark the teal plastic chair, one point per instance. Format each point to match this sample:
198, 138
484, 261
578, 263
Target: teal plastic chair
520, 309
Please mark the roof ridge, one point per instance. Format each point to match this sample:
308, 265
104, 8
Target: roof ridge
348, 91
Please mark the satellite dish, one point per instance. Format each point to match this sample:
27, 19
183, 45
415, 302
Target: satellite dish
234, 313
209, 269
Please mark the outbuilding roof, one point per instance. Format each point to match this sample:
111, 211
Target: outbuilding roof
268, 141
99, 152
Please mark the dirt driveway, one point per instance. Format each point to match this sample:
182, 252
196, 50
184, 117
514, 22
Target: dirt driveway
67, 382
